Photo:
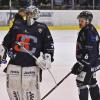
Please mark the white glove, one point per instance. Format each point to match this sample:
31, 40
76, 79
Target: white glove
44, 62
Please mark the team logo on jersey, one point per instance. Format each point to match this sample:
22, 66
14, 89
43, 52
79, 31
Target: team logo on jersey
25, 41
40, 30
92, 38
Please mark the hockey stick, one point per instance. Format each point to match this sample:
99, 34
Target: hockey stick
10, 12
56, 86
35, 59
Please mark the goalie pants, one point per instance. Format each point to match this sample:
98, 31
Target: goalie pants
23, 82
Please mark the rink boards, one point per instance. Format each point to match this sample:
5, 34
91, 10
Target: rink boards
55, 19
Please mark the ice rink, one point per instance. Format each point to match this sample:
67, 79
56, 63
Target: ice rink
64, 58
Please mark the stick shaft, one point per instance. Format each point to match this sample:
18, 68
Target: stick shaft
56, 86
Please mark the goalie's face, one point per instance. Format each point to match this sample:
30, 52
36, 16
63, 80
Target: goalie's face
30, 15
83, 22
30, 18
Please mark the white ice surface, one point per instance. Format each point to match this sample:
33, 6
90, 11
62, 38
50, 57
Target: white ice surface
65, 43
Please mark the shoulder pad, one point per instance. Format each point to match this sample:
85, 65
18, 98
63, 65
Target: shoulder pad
41, 25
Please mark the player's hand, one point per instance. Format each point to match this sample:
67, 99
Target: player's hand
44, 62
77, 68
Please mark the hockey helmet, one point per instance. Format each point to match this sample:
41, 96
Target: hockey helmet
87, 15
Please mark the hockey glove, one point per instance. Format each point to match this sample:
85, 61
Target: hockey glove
44, 62
77, 68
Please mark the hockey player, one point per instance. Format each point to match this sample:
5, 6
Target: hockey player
88, 59
23, 70
20, 16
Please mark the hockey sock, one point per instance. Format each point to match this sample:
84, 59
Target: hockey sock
83, 93
94, 92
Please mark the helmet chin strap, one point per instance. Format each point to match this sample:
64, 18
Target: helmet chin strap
30, 21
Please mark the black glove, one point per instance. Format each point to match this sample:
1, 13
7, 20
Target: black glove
77, 68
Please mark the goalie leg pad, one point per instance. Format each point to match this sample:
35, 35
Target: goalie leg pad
14, 82
23, 83
30, 83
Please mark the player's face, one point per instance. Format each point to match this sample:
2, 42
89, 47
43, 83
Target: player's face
82, 22
23, 13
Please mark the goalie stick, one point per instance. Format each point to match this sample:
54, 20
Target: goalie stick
56, 86
34, 58
10, 11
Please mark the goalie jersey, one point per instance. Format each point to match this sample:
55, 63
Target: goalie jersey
87, 48
35, 38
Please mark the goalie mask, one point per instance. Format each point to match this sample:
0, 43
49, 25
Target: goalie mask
32, 14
